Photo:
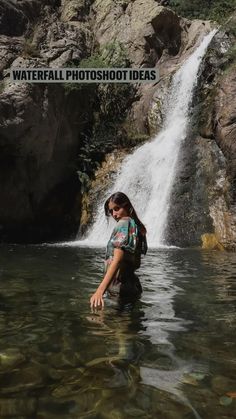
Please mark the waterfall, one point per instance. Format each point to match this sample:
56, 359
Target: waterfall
147, 174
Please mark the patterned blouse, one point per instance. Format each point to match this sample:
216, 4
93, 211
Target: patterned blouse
125, 236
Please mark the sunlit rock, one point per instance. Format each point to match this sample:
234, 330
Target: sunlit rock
210, 242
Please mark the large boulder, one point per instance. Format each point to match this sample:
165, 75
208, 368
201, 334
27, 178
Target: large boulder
75, 10
146, 29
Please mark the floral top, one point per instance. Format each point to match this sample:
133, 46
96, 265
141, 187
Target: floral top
125, 236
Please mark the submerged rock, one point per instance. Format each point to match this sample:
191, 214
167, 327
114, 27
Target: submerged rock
49, 408
17, 406
10, 358
28, 378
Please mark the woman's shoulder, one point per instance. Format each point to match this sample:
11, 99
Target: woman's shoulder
125, 221
127, 224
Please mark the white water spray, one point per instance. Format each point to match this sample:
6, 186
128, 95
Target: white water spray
147, 175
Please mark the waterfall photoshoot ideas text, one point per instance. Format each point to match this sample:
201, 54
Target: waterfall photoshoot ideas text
85, 75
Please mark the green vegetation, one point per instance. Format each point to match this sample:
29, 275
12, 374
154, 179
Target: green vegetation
86, 163
115, 55
230, 26
94, 61
111, 102
218, 10
112, 54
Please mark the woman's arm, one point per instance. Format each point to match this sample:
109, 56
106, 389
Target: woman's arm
97, 298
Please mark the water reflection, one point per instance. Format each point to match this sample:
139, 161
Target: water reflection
171, 355
161, 319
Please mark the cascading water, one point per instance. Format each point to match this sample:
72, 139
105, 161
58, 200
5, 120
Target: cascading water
147, 175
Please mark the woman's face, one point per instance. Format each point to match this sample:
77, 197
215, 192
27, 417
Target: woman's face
116, 211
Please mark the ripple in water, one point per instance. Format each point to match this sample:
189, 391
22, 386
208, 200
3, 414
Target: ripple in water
171, 355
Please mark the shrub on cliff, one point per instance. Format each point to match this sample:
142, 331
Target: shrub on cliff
204, 9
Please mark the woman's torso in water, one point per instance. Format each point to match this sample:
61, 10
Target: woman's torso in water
125, 236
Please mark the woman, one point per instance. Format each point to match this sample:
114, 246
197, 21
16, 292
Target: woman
123, 254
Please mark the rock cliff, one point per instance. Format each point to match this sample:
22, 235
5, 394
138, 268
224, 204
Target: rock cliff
203, 199
40, 125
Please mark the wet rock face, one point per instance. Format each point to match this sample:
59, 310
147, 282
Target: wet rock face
225, 120
202, 208
219, 124
222, 208
188, 213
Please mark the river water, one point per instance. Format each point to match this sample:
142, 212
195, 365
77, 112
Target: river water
170, 356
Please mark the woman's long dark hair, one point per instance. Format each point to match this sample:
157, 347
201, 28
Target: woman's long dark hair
122, 201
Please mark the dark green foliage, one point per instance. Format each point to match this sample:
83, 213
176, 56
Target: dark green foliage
111, 102
86, 163
115, 99
104, 138
115, 55
217, 10
112, 54
110, 108
94, 61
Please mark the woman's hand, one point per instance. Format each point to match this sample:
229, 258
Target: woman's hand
96, 301
97, 298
